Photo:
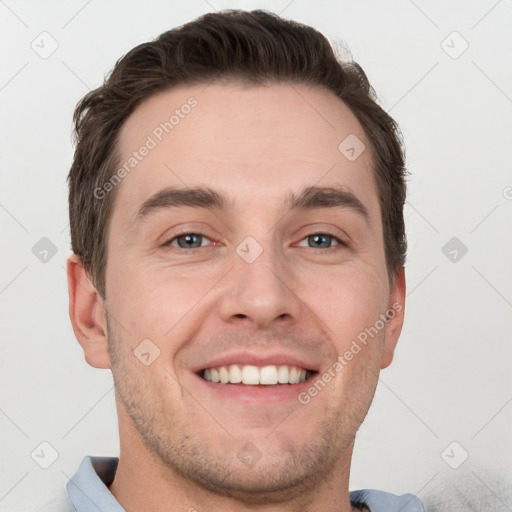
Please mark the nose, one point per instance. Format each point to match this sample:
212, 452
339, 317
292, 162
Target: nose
260, 292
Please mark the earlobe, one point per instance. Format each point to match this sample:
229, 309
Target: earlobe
396, 310
87, 314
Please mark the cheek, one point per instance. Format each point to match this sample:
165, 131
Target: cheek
155, 302
348, 301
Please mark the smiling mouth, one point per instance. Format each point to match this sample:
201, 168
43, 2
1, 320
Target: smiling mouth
269, 375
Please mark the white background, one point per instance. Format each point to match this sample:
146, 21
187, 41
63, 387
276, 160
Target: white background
450, 380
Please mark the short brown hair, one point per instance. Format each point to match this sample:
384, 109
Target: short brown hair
256, 47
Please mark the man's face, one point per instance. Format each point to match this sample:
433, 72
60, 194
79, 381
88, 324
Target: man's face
255, 283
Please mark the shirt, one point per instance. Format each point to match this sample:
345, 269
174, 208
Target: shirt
87, 491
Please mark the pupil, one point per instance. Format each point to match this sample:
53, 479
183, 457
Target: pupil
189, 238
319, 237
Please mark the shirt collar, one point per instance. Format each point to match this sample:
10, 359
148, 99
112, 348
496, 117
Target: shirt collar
88, 488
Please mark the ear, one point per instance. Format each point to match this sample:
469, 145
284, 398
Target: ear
396, 309
88, 314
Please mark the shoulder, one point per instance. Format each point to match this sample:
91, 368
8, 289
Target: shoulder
381, 501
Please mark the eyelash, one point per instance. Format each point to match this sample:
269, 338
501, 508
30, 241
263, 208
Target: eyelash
187, 251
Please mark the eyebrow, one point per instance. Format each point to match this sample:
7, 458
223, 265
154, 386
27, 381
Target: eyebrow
207, 198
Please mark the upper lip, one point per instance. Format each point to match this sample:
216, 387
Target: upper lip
256, 359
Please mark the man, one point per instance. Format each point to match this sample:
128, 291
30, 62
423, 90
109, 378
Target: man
236, 207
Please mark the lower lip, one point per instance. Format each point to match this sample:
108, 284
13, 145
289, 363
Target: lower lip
261, 394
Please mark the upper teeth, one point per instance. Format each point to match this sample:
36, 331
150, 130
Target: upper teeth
249, 374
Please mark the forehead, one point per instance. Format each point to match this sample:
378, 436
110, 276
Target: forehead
254, 143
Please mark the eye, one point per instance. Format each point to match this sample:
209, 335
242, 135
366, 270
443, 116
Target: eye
187, 241
191, 240
323, 241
